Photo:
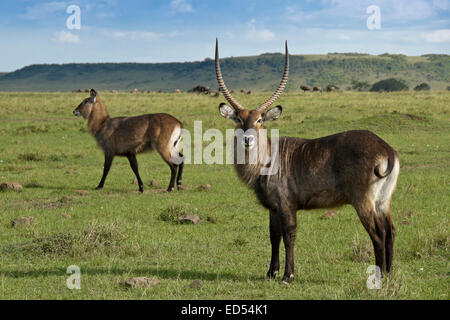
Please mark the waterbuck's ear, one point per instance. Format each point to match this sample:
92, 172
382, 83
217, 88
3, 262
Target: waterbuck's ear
272, 114
227, 112
93, 95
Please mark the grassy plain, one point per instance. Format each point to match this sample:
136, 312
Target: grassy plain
116, 233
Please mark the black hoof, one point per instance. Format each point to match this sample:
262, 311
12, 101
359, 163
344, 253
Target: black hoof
272, 274
287, 279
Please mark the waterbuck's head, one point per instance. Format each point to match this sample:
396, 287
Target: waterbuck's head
250, 121
86, 106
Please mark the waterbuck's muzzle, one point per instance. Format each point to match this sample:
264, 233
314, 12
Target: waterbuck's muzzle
249, 141
76, 113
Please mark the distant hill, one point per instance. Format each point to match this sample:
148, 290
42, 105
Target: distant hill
261, 72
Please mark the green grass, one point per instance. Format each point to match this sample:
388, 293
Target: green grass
116, 233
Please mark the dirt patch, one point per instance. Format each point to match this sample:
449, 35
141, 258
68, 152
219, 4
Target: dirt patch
11, 186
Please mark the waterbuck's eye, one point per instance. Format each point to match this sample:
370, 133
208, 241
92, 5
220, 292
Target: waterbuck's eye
259, 120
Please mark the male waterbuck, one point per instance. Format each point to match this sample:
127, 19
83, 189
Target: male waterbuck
352, 167
128, 136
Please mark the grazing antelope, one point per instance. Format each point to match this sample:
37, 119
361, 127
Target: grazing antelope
352, 167
305, 88
128, 136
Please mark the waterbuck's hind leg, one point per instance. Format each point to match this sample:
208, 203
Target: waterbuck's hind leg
134, 166
180, 171
166, 155
375, 227
107, 165
275, 239
390, 238
173, 173
382, 205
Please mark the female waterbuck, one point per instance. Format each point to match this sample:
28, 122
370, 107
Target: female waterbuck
128, 136
352, 167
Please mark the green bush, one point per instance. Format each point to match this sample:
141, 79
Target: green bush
360, 85
389, 85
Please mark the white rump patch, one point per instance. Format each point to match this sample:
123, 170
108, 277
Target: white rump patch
174, 143
383, 188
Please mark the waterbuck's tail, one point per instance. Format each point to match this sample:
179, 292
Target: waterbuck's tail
391, 162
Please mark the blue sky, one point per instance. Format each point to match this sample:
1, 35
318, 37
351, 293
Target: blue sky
185, 30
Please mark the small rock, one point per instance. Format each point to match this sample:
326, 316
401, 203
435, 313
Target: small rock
12, 186
81, 192
405, 222
65, 215
189, 218
329, 214
141, 282
22, 221
70, 171
154, 183
196, 284
205, 187
182, 188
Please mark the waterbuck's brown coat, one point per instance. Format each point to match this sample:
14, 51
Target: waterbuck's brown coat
353, 167
129, 136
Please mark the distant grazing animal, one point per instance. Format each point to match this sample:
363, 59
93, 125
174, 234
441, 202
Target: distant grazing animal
128, 136
305, 88
331, 88
317, 89
201, 89
352, 167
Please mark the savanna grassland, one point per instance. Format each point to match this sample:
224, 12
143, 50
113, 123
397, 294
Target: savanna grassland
116, 233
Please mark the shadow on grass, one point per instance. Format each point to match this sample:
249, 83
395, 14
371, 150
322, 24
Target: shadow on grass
150, 271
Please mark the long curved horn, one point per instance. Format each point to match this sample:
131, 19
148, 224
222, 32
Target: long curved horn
280, 88
222, 85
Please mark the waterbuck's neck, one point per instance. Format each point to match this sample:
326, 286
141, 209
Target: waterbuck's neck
97, 117
255, 163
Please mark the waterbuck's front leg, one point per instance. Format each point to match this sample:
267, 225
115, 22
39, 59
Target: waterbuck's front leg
288, 219
134, 167
108, 161
275, 238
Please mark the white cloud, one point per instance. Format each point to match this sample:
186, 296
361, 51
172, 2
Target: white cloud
437, 36
145, 36
181, 6
66, 37
441, 4
42, 10
258, 34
